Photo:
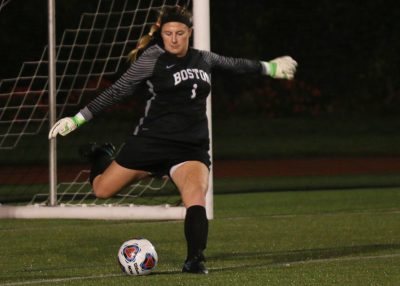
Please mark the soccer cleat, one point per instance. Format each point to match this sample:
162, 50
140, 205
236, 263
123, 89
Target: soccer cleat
91, 151
195, 265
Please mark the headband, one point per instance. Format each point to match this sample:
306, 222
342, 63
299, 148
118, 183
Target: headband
176, 18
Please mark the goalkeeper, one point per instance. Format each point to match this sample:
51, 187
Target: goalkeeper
172, 138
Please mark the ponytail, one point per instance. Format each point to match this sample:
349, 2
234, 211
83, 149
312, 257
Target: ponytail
144, 41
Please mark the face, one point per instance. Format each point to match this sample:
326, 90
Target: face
176, 37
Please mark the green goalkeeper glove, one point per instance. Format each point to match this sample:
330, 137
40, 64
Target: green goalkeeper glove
282, 67
66, 125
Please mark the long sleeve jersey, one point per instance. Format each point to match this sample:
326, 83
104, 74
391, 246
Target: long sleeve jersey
177, 92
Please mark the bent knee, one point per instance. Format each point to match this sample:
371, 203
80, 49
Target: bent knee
101, 191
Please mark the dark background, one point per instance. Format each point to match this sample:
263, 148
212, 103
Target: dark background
342, 104
344, 100
347, 52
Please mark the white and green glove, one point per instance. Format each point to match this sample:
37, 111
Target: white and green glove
66, 125
282, 67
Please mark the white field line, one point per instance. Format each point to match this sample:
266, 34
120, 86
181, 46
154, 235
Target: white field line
287, 264
361, 212
342, 259
311, 261
55, 280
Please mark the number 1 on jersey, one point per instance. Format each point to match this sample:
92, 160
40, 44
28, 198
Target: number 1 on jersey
194, 91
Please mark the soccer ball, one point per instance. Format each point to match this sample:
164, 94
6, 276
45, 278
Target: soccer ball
137, 257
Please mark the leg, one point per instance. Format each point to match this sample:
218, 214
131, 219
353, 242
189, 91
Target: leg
114, 178
106, 176
191, 179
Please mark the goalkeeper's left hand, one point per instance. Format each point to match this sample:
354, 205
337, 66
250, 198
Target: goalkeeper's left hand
66, 125
282, 67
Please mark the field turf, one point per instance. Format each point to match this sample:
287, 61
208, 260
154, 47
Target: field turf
319, 237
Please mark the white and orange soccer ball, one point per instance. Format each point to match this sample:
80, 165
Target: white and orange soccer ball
137, 257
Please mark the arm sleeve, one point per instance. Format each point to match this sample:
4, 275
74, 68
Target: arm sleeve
126, 85
236, 65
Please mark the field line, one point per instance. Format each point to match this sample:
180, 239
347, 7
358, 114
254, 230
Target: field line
55, 280
326, 214
351, 258
286, 264
304, 262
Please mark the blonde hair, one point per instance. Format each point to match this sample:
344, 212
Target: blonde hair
168, 14
144, 41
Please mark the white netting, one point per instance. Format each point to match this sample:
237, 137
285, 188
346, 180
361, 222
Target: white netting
88, 59
152, 191
96, 48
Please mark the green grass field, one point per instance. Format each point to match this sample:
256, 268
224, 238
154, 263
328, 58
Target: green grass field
320, 237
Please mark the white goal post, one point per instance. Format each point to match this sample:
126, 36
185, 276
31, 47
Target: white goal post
201, 41
54, 209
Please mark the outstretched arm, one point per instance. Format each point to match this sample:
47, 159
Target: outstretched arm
122, 88
282, 67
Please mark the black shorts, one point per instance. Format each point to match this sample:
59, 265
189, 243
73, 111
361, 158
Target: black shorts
158, 156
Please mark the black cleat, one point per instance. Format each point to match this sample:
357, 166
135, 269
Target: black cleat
195, 265
90, 151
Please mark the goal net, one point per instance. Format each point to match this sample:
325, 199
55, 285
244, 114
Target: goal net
93, 39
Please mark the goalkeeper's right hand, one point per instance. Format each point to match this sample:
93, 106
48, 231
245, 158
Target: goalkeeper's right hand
66, 125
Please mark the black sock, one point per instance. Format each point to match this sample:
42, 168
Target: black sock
196, 231
99, 164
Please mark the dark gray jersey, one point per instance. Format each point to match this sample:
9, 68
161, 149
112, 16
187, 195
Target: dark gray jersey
178, 89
